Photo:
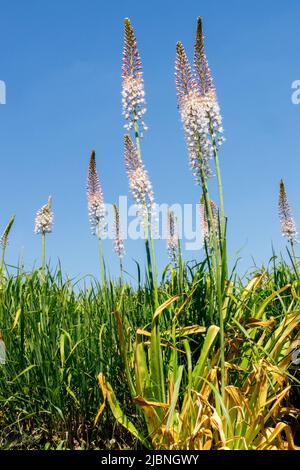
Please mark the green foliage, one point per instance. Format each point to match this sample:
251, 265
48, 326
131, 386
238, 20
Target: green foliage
59, 336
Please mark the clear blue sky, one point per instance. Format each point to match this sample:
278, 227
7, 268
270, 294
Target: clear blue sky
61, 61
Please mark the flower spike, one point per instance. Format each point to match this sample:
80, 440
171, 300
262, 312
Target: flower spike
288, 226
204, 219
44, 219
193, 116
204, 82
139, 183
172, 237
133, 94
118, 241
96, 207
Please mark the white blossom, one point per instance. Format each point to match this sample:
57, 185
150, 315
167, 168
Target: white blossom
44, 219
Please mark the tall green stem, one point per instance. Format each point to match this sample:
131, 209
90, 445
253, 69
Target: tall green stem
219, 179
156, 361
217, 270
180, 268
43, 252
154, 268
148, 235
2, 259
295, 259
121, 272
137, 139
221, 207
102, 268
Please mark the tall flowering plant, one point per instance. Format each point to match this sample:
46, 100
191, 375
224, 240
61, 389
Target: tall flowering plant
207, 90
287, 222
202, 124
44, 224
134, 108
288, 226
96, 208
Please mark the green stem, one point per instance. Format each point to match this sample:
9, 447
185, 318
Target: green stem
295, 259
219, 179
102, 268
2, 260
223, 248
180, 268
137, 139
121, 272
154, 268
149, 263
217, 271
220, 265
156, 352
148, 235
43, 252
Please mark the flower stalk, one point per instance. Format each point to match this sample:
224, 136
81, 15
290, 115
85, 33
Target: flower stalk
204, 80
96, 209
44, 224
202, 123
133, 102
288, 226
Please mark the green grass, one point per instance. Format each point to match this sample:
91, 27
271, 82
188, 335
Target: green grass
59, 337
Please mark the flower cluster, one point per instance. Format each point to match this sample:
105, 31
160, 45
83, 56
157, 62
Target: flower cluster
139, 183
133, 94
204, 219
205, 85
44, 219
96, 206
118, 241
198, 105
215, 118
193, 115
288, 226
172, 237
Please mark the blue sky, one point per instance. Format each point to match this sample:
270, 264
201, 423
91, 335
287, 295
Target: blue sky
61, 62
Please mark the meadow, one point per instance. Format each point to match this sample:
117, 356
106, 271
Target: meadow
193, 358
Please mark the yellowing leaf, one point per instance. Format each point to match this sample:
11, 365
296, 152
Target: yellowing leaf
165, 305
17, 316
141, 401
